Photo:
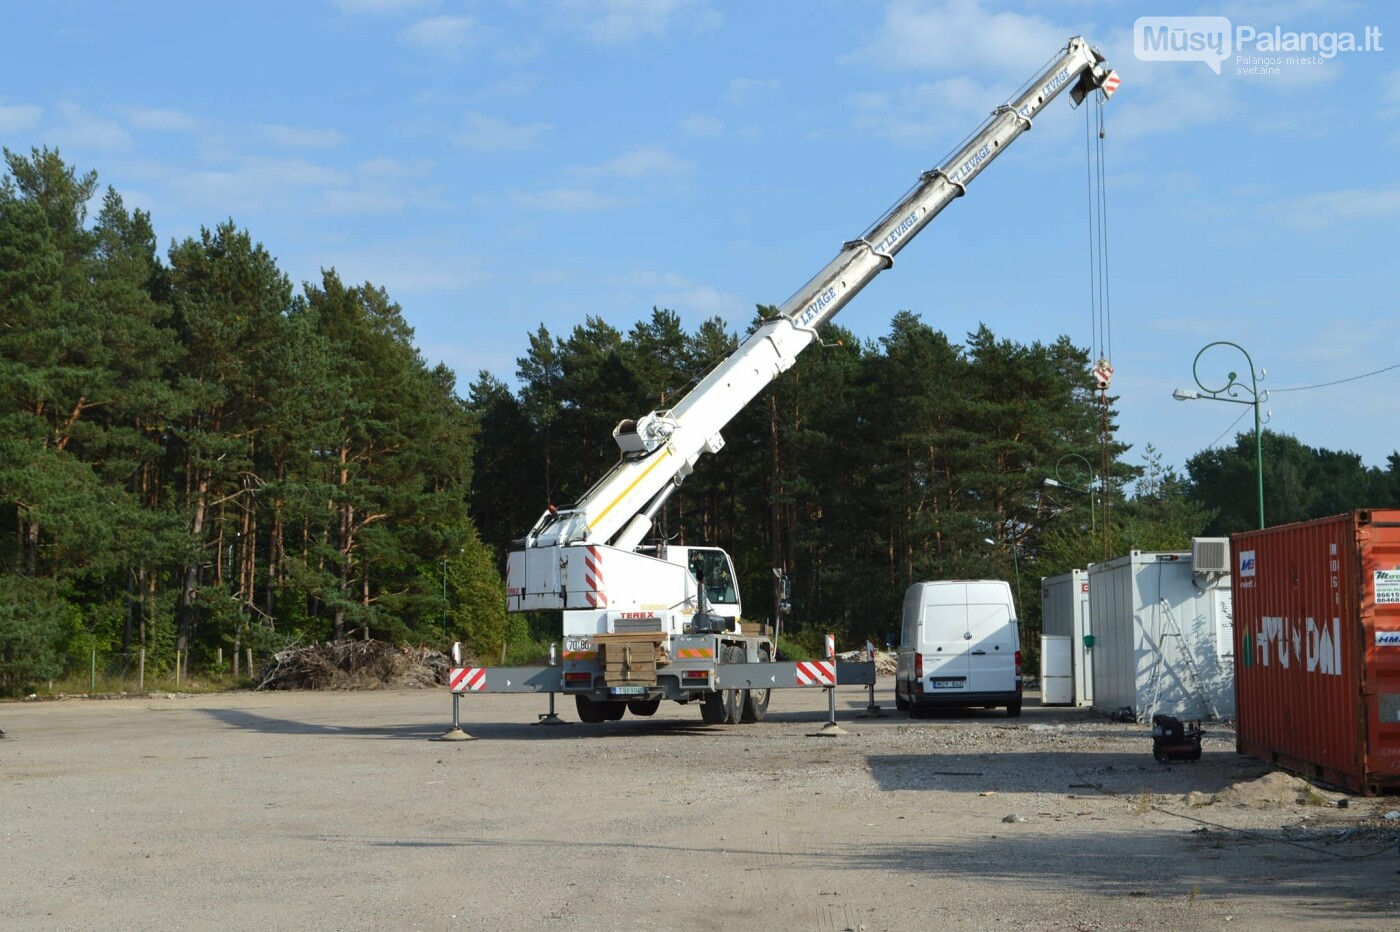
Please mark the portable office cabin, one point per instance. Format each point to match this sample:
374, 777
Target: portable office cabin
1163, 637
1064, 613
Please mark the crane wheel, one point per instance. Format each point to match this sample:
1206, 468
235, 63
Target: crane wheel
589, 712
755, 704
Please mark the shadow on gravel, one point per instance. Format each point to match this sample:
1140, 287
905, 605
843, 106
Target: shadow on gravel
248, 721
1085, 772
1354, 880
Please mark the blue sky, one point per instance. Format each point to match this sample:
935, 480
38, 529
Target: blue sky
497, 166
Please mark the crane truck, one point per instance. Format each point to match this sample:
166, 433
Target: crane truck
646, 621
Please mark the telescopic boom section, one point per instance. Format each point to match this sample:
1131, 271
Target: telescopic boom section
661, 448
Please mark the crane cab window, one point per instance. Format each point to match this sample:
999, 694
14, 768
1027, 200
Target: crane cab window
711, 568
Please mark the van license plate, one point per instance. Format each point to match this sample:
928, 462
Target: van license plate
948, 684
629, 690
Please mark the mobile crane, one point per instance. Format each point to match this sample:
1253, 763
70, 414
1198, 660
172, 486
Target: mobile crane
645, 622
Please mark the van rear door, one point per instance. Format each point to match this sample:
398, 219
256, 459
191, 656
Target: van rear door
944, 638
992, 644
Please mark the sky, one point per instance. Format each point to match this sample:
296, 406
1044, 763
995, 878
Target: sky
501, 166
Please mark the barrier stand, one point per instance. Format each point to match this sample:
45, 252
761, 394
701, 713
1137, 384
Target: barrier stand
831, 729
456, 681
455, 733
872, 710
551, 718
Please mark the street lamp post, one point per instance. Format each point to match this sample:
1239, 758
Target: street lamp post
1231, 392
1059, 483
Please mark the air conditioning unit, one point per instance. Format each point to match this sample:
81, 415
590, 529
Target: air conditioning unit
1210, 554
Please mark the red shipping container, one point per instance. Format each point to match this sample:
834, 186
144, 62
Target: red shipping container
1317, 648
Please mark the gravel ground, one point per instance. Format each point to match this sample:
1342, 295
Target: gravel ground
337, 811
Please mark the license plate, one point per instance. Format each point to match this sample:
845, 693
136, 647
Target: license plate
948, 684
629, 690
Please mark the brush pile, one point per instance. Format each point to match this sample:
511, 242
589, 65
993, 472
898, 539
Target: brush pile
355, 665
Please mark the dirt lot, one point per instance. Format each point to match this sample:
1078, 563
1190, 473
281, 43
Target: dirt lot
335, 811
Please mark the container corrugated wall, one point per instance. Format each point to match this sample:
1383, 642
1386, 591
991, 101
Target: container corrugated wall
1317, 634
1162, 638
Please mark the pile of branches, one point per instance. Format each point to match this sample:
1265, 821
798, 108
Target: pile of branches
355, 665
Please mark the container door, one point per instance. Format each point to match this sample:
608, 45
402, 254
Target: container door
1056, 670
1381, 576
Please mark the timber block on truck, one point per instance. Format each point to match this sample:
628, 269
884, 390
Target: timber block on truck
631, 658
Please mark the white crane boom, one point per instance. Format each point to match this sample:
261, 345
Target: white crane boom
661, 448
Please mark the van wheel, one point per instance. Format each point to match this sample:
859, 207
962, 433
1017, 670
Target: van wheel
1013, 710
900, 703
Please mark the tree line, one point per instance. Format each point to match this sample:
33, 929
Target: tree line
195, 456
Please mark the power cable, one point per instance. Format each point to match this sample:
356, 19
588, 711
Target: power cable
1306, 388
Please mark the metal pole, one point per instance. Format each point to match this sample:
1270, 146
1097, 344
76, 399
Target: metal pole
1230, 391
1258, 451
92, 679
551, 718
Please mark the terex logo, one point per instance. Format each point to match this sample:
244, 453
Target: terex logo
1247, 563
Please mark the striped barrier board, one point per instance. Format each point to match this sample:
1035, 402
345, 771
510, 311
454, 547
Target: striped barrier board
816, 673
467, 679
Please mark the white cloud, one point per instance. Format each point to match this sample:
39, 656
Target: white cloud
255, 184
703, 301
647, 162
444, 36
747, 90
959, 34
615, 22
83, 130
300, 137
416, 267
484, 133
516, 85
383, 7
569, 199
16, 117
701, 126
1328, 209
928, 112
160, 119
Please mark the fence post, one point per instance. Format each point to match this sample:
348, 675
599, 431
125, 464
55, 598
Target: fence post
141, 676
92, 677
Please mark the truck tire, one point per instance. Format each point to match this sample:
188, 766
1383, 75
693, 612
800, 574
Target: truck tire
712, 708
613, 711
900, 703
1013, 709
755, 704
734, 699
643, 707
588, 711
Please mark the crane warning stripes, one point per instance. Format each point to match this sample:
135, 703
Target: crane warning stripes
467, 679
816, 673
593, 578
695, 653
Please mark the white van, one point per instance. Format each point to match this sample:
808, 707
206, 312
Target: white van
960, 645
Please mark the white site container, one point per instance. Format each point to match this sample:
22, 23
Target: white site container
1163, 638
1064, 612
1056, 671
